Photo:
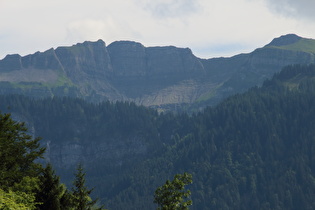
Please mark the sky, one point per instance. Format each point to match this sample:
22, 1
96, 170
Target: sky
210, 28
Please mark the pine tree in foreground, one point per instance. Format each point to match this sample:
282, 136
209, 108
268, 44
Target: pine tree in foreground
81, 194
18, 152
52, 194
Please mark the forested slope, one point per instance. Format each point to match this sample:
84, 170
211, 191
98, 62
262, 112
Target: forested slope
253, 151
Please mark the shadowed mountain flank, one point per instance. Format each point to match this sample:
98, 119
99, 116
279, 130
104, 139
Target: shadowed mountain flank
164, 77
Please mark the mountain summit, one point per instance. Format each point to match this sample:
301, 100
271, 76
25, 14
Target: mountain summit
285, 40
161, 77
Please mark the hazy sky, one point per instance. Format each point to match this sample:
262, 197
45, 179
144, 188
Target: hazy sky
211, 28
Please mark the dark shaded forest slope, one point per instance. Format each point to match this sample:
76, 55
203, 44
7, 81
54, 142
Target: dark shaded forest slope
252, 151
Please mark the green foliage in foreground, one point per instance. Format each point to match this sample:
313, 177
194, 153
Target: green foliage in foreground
16, 200
18, 152
18, 170
172, 195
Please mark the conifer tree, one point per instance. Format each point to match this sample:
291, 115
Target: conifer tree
18, 152
81, 194
52, 194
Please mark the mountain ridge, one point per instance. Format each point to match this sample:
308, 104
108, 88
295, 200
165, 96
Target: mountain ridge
284, 40
163, 77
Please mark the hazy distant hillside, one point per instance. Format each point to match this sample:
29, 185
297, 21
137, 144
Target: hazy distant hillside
166, 78
252, 151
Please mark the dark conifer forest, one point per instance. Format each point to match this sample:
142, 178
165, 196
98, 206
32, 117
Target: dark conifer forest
254, 150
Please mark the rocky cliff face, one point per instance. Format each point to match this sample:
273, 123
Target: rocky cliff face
112, 152
122, 71
151, 76
169, 61
132, 59
90, 58
128, 59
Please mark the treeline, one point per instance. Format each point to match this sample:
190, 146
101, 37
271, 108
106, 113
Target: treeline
253, 151
75, 118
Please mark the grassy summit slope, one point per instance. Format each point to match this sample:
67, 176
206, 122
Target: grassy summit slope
303, 45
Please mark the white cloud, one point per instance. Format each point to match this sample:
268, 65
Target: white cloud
171, 8
208, 27
293, 8
85, 29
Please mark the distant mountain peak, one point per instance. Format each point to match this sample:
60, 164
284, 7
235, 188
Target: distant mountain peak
285, 40
100, 42
126, 43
